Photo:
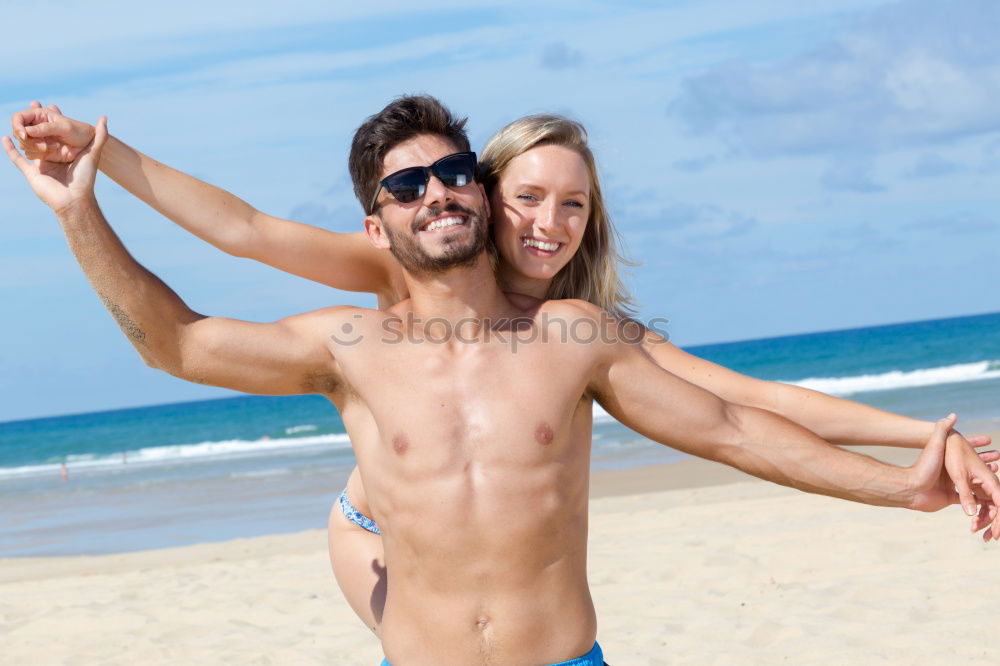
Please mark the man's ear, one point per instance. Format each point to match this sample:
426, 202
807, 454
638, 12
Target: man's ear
376, 232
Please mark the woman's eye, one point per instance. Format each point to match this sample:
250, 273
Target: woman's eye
526, 197
575, 204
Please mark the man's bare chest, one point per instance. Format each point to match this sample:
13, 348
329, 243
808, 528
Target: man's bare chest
487, 397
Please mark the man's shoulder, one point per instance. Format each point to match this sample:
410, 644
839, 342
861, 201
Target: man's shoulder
330, 313
332, 316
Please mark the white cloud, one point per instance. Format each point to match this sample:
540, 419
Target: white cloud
694, 164
84, 44
912, 73
962, 222
559, 55
851, 173
932, 165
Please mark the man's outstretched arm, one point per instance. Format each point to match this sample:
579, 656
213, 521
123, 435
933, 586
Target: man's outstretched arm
341, 260
286, 357
679, 414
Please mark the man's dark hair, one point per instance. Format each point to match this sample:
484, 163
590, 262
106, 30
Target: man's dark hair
403, 119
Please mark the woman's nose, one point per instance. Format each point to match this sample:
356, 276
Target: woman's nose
547, 217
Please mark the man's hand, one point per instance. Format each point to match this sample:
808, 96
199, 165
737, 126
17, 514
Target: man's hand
60, 185
46, 134
933, 489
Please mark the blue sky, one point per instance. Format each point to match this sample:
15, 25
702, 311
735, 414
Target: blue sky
775, 166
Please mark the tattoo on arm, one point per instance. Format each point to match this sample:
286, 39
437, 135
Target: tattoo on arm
129, 327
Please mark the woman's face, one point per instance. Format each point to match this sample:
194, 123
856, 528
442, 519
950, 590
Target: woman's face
540, 209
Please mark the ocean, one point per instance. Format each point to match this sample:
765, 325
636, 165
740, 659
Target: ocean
175, 474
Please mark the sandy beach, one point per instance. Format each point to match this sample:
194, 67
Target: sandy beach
690, 563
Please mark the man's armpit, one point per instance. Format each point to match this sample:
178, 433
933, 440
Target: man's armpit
325, 383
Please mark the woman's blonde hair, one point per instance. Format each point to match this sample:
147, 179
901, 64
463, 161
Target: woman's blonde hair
592, 273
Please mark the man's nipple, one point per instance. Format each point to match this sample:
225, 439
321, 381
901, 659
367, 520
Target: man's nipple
400, 444
544, 434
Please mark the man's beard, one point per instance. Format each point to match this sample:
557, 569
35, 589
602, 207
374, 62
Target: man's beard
457, 253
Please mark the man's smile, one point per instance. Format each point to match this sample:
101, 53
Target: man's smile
444, 222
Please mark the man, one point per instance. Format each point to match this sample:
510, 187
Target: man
480, 493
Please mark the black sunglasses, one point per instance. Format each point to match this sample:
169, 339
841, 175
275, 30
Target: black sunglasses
409, 184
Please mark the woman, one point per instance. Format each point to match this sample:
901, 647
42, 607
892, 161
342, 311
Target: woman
552, 239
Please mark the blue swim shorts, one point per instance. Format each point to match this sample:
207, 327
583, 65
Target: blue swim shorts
593, 658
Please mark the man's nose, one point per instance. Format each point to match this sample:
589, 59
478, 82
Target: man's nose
437, 192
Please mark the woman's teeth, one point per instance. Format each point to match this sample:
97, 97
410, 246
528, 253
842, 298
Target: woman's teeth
541, 245
444, 222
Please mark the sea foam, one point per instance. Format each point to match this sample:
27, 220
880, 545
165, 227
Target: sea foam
898, 379
154, 455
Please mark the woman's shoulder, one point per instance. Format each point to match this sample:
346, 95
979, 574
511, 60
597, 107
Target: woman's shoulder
573, 307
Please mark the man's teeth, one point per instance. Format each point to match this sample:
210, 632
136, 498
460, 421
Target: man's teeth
541, 245
444, 222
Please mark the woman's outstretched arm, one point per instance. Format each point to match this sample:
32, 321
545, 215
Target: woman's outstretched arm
836, 420
341, 260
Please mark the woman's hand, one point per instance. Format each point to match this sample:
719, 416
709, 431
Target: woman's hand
60, 185
932, 487
973, 476
46, 134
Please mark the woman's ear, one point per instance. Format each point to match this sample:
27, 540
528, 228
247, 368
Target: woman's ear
489, 204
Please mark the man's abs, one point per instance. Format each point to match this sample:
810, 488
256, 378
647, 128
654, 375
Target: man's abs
489, 572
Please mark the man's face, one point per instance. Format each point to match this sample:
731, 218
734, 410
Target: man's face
444, 229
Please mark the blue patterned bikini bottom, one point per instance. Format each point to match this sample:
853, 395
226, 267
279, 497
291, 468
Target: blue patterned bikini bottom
355, 516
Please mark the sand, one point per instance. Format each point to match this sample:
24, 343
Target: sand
690, 563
